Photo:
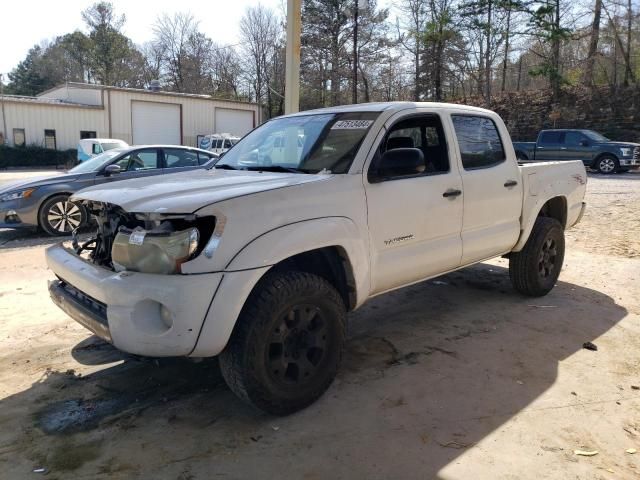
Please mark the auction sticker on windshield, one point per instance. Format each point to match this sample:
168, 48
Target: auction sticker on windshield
352, 125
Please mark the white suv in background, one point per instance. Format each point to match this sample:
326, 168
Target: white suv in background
218, 142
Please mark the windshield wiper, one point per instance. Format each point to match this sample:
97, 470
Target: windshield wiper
225, 166
277, 168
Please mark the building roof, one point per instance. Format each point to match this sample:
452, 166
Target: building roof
45, 101
91, 86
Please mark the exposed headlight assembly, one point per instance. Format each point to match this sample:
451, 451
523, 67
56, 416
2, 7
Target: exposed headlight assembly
153, 251
626, 152
16, 194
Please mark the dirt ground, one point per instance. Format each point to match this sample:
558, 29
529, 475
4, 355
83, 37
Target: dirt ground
457, 378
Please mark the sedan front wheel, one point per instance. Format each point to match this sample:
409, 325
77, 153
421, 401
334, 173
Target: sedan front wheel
60, 216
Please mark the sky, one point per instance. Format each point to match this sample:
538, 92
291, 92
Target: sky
24, 23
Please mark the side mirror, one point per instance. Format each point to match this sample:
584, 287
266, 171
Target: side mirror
584, 143
111, 170
399, 162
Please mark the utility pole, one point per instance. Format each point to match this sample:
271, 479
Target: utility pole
355, 53
292, 52
4, 120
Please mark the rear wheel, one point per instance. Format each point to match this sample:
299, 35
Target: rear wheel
535, 269
286, 347
607, 164
60, 216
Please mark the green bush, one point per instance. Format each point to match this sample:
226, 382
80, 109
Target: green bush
34, 157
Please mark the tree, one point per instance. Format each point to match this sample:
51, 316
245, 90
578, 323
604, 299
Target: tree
414, 20
109, 49
183, 53
546, 24
26, 78
260, 34
587, 77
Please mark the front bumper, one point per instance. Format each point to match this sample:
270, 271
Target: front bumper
15, 214
143, 314
629, 162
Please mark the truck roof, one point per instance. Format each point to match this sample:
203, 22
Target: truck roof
387, 106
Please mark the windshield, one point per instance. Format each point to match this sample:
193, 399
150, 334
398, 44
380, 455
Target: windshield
595, 136
96, 163
307, 144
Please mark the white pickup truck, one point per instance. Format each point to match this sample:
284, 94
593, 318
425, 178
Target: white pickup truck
259, 261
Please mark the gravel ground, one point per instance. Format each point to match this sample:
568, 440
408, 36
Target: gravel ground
456, 378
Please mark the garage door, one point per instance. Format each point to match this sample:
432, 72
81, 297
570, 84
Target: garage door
155, 123
235, 122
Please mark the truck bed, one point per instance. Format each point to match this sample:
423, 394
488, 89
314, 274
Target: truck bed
544, 180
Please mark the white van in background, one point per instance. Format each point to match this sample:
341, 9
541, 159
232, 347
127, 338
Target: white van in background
90, 147
218, 142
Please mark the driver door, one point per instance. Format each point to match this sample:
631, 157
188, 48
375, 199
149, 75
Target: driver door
415, 221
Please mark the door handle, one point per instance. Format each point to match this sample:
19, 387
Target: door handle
510, 183
452, 193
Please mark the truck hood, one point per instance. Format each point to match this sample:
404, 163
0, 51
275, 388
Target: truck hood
189, 191
621, 144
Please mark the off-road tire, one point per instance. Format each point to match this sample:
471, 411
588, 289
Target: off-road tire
535, 269
268, 334
59, 204
607, 164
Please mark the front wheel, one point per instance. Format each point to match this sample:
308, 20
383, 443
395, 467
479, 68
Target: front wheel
607, 164
60, 216
535, 269
286, 346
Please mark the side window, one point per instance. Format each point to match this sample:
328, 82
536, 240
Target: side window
139, 160
573, 138
176, 158
227, 144
50, 139
96, 148
550, 138
87, 134
424, 133
218, 143
19, 138
479, 141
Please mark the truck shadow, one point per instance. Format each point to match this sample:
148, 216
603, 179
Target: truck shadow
428, 371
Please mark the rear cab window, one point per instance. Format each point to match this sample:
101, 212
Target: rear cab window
479, 141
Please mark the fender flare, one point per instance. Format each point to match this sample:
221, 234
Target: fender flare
530, 220
254, 260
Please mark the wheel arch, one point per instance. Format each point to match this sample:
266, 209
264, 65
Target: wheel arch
331, 248
554, 207
600, 155
48, 197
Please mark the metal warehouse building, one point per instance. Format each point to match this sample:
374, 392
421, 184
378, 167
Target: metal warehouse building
59, 117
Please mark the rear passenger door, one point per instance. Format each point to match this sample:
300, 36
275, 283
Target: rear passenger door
550, 145
180, 160
491, 186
